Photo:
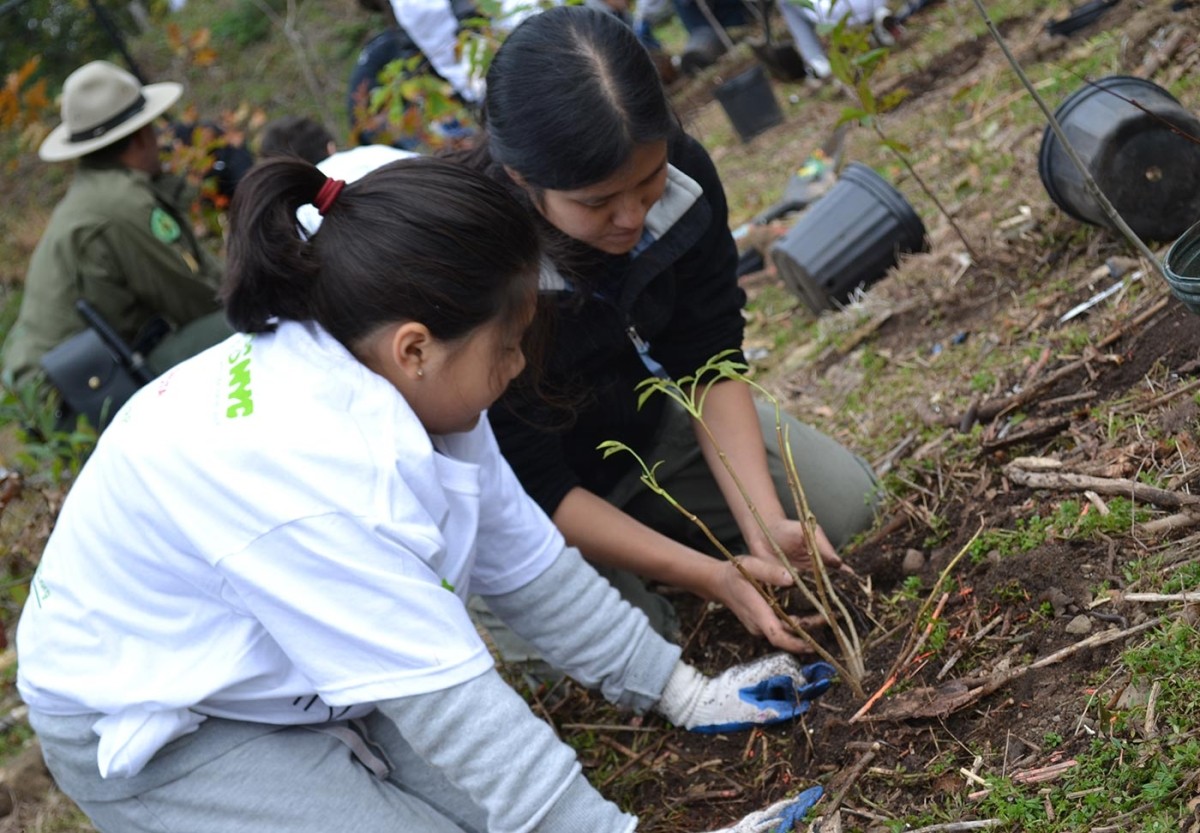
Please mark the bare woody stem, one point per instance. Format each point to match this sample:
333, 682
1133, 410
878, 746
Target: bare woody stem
924, 187
848, 639
850, 645
1088, 181
787, 620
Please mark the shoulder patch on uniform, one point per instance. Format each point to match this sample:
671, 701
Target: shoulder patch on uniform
163, 226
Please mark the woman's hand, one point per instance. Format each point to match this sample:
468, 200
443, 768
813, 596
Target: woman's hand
789, 535
733, 590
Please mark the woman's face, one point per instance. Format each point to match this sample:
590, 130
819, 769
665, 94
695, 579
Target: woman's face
609, 215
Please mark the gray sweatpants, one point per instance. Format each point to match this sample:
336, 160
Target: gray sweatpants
257, 772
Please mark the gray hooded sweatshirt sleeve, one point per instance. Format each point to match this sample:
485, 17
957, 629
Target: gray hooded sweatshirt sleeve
486, 741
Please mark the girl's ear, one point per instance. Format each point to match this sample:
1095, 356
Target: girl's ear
535, 194
410, 349
516, 177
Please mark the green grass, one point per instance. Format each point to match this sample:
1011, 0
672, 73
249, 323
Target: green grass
1127, 777
1071, 520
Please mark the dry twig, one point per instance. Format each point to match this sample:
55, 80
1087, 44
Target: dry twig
852, 778
1018, 471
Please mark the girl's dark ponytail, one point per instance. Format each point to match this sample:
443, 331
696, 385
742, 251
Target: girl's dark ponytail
271, 269
421, 239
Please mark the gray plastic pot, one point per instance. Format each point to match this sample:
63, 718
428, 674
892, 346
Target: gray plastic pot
847, 239
1141, 157
749, 101
1182, 265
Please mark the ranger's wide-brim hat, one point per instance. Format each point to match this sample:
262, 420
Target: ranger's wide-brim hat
102, 103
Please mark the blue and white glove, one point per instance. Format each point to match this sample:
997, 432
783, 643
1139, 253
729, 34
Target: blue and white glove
768, 690
780, 817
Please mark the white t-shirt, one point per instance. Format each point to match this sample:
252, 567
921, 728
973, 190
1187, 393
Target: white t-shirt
434, 29
831, 11
267, 533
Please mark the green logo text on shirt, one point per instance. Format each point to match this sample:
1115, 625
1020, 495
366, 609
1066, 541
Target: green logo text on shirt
241, 402
163, 226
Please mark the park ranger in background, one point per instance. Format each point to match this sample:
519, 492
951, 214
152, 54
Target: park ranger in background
120, 237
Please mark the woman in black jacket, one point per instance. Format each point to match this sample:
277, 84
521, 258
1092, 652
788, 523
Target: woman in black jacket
640, 279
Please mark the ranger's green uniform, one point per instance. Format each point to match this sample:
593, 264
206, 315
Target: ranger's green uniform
120, 239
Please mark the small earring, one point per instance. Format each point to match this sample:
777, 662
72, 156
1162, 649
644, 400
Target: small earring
420, 373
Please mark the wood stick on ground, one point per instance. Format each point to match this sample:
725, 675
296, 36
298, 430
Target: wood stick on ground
1184, 479
619, 747
1150, 725
874, 698
1032, 776
855, 773
1102, 638
1036, 368
1191, 597
885, 463
920, 643
1068, 481
1155, 60
629, 763
1030, 429
1069, 399
984, 631
959, 826
1180, 520
1142, 407
1043, 773
1124, 329
705, 795
943, 701
993, 408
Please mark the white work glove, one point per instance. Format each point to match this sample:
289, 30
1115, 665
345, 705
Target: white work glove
780, 817
768, 690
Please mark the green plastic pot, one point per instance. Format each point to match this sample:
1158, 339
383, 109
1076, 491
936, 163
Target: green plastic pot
1182, 266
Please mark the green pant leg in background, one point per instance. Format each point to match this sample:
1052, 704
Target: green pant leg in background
842, 490
190, 339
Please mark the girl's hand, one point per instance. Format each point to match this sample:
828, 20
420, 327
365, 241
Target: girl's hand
736, 593
789, 535
767, 690
781, 817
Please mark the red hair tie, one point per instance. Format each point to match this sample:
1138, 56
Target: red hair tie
330, 189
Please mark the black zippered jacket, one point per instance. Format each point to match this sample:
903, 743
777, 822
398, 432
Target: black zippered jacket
680, 295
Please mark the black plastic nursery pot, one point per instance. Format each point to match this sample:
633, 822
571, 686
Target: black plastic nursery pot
1182, 265
847, 239
781, 60
1143, 156
749, 101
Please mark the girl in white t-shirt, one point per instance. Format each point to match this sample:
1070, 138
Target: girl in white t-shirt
250, 615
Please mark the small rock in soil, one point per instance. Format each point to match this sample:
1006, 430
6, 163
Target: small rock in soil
1080, 625
914, 562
